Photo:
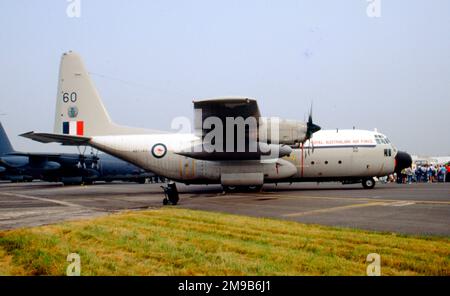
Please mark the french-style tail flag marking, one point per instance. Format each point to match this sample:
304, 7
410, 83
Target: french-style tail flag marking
74, 128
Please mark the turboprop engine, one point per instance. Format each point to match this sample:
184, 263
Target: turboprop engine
286, 131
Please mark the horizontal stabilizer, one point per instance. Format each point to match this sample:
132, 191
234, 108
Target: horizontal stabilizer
57, 138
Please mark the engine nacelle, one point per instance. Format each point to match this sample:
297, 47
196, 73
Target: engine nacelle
282, 131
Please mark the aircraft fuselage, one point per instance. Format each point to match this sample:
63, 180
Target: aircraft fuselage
329, 155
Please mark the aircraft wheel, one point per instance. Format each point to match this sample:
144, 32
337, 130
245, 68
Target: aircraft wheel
368, 183
230, 189
255, 188
165, 201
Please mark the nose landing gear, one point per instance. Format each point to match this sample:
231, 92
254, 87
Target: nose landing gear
171, 194
368, 183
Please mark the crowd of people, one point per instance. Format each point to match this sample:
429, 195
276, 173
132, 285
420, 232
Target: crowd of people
427, 173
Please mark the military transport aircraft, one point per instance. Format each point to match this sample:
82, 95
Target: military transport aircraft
68, 168
233, 145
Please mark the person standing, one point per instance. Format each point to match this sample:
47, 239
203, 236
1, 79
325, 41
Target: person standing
443, 173
447, 178
409, 175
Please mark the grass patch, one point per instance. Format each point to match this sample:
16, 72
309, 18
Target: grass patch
174, 241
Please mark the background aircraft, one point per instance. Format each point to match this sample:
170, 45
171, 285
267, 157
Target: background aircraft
68, 168
81, 119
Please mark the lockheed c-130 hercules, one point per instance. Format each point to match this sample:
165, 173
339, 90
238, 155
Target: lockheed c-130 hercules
259, 150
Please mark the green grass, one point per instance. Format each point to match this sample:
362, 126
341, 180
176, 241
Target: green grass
174, 241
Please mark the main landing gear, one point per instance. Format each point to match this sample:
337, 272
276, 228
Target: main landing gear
368, 183
171, 194
251, 188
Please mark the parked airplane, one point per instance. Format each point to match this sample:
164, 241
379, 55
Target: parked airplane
68, 168
287, 153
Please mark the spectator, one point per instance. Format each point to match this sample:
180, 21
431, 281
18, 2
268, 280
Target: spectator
409, 175
418, 174
424, 171
442, 172
402, 179
447, 178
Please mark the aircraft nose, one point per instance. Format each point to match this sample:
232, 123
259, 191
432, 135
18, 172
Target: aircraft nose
402, 161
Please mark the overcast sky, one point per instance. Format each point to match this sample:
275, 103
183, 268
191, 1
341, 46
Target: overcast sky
151, 58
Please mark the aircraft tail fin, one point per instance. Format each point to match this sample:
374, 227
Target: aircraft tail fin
5, 144
79, 108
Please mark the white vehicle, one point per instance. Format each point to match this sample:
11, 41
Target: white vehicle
302, 153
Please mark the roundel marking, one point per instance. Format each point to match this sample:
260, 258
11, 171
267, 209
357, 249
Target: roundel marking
159, 150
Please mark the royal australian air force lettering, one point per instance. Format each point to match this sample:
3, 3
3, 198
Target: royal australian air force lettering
344, 153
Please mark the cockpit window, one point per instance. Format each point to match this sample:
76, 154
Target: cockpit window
381, 139
378, 139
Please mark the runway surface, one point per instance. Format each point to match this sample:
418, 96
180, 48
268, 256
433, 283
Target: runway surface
413, 209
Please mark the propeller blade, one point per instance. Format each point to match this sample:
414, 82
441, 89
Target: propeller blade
311, 127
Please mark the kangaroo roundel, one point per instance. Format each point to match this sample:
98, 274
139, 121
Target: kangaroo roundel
159, 150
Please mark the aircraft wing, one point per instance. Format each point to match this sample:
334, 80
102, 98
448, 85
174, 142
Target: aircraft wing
212, 114
223, 108
57, 138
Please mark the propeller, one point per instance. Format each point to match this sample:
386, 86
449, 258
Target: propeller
311, 127
95, 159
81, 158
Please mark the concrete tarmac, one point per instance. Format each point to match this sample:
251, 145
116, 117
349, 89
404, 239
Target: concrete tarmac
422, 209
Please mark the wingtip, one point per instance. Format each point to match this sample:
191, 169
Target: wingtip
26, 134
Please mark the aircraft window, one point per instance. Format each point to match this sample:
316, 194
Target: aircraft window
312, 162
326, 161
387, 152
340, 161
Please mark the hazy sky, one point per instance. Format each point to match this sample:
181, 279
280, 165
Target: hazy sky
151, 58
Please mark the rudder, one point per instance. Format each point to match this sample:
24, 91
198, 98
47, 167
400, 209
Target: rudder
79, 108
5, 144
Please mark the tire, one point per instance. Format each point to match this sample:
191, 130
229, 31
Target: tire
254, 188
165, 201
230, 189
368, 183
